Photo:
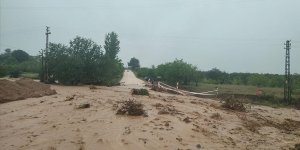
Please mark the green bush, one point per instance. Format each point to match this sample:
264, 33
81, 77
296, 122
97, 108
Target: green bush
15, 73
267, 96
13, 63
3, 70
84, 62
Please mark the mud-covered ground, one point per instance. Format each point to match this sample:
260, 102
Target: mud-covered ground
173, 122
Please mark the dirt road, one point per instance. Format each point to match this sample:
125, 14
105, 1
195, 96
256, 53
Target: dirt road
130, 80
54, 122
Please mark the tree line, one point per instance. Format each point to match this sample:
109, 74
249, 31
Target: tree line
81, 62
84, 62
185, 73
14, 62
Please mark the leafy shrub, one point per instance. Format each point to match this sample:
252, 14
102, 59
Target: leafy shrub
3, 71
14, 73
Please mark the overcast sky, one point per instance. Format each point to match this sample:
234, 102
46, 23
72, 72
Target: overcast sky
232, 35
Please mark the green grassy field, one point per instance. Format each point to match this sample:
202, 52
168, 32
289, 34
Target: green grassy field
235, 89
273, 96
30, 75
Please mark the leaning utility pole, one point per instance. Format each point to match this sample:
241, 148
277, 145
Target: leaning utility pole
46, 75
287, 79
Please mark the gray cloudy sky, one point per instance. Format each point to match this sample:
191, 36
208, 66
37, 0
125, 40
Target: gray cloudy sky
232, 35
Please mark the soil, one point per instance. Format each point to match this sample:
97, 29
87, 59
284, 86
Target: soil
54, 122
22, 89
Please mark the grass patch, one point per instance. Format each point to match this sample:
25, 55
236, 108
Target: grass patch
30, 75
235, 89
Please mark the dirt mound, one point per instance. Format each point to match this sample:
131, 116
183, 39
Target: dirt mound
22, 89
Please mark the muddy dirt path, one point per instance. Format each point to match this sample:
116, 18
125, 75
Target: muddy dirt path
130, 80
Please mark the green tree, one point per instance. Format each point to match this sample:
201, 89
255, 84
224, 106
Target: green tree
20, 55
112, 65
177, 71
112, 46
217, 76
258, 80
79, 63
58, 62
146, 72
83, 62
198, 76
134, 63
3, 70
8, 50
16, 62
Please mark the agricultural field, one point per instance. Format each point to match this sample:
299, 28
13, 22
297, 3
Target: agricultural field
270, 95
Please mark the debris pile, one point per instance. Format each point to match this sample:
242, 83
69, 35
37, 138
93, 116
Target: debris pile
216, 116
166, 109
132, 108
140, 92
83, 106
234, 104
92, 87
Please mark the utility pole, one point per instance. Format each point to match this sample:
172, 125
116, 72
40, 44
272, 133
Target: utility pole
46, 75
42, 78
287, 79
